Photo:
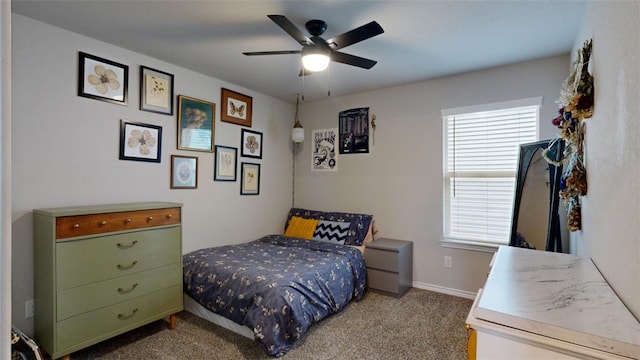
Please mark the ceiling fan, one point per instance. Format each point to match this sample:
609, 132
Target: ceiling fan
315, 48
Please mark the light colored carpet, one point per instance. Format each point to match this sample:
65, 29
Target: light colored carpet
420, 325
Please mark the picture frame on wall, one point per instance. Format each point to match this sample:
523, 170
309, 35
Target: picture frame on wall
236, 108
354, 131
196, 124
102, 79
184, 172
324, 150
226, 163
251, 144
140, 142
156, 91
250, 184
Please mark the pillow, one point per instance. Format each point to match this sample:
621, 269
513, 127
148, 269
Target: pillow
334, 232
360, 223
370, 232
301, 228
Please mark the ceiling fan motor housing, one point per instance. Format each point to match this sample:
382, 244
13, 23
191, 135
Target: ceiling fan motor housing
316, 27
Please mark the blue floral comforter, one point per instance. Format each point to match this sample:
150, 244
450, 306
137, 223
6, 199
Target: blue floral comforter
277, 286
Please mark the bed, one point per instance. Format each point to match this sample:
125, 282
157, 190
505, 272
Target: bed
274, 288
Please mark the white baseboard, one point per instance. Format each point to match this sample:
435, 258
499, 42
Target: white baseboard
445, 290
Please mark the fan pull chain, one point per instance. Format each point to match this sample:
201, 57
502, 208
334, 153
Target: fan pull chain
329, 81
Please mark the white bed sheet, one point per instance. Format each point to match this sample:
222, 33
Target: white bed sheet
198, 310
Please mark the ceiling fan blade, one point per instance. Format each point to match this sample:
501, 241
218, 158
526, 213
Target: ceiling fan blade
358, 61
291, 29
356, 35
283, 52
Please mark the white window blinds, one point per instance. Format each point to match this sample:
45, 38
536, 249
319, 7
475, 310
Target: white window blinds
481, 146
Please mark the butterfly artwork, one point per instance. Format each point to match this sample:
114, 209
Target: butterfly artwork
236, 108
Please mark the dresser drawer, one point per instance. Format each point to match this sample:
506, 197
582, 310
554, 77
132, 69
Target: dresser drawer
88, 328
384, 281
90, 297
381, 259
80, 262
80, 225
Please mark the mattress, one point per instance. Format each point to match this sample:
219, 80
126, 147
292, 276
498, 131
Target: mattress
275, 286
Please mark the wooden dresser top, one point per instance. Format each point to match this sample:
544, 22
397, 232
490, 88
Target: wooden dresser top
94, 209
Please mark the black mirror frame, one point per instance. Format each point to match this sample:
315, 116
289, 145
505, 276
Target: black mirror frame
555, 149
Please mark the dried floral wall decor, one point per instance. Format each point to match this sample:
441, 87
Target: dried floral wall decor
140, 142
102, 79
576, 104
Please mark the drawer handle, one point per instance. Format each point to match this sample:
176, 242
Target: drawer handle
124, 317
128, 221
150, 218
124, 291
170, 216
104, 222
75, 226
122, 267
123, 246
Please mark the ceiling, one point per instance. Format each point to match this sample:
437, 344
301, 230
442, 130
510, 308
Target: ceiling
422, 39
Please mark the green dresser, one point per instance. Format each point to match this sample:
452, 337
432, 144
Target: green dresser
104, 270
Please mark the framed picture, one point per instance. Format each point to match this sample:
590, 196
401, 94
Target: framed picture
236, 108
324, 150
184, 172
226, 163
251, 144
156, 91
354, 131
140, 142
196, 122
102, 79
250, 179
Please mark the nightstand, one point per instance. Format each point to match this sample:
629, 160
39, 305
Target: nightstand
389, 266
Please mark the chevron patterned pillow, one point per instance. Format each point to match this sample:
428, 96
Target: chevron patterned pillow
334, 232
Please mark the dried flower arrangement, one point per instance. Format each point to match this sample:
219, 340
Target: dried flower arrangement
576, 103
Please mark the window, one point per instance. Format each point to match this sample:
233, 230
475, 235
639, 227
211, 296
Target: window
481, 145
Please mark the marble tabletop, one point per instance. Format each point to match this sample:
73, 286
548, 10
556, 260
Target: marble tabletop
560, 296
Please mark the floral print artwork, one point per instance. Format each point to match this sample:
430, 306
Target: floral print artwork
252, 144
103, 79
143, 140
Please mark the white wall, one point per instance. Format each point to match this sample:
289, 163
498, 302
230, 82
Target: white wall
65, 150
611, 231
5, 184
400, 180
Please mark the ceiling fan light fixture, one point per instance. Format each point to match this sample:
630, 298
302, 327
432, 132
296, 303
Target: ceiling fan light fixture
315, 59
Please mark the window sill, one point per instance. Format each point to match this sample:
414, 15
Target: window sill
470, 245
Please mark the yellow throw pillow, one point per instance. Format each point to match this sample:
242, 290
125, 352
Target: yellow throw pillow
301, 228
